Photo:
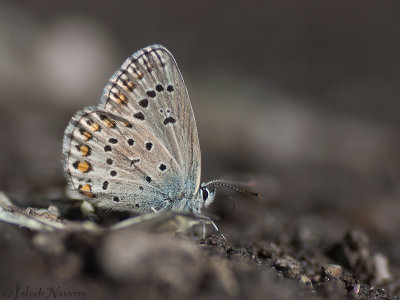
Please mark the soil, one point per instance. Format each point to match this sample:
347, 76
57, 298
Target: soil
253, 255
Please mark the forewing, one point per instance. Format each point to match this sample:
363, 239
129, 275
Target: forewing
149, 88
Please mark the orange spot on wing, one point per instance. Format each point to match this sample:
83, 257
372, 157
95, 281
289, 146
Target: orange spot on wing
139, 74
85, 150
87, 135
120, 98
84, 166
129, 85
95, 127
109, 123
86, 190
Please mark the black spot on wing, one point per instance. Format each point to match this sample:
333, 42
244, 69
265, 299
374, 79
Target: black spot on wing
105, 185
159, 88
169, 120
139, 115
135, 161
144, 103
151, 93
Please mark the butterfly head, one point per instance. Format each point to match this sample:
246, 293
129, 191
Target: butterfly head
207, 194
208, 190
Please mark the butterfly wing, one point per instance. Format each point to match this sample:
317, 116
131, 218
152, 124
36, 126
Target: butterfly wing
140, 146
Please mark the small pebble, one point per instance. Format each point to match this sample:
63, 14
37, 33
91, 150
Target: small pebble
332, 270
305, 280
289, 267
381, 266
356, 287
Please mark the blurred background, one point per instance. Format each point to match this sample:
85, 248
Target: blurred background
301, 97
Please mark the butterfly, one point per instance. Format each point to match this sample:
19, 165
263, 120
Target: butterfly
139, 150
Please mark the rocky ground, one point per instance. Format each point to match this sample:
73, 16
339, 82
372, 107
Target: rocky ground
264, 256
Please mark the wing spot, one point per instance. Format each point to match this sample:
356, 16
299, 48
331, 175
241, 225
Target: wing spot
144, 103
137, 205
109, 161
107, 148
120, 98
131, 142
159, 88
108, 122
84, 149
113, 173
139, 115
149, 145
116, 199
134, 161
105, 185
140, 188
169, 120
86, 190
129, 85
83, 166
113, 141
148, 179
127, 124
151, 93
163, 167
87, 135
137, 73
93, 126
170, 88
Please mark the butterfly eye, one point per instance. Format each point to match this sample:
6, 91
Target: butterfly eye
205, 194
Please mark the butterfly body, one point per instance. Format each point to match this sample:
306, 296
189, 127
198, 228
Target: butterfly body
138, 150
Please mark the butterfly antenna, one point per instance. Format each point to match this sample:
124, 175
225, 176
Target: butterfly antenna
231, 185
235, 183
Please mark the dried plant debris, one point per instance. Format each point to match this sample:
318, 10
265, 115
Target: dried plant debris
39, 219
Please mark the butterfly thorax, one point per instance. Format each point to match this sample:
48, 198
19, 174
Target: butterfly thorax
192, 204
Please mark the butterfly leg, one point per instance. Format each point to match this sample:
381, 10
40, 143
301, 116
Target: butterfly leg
205, 218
